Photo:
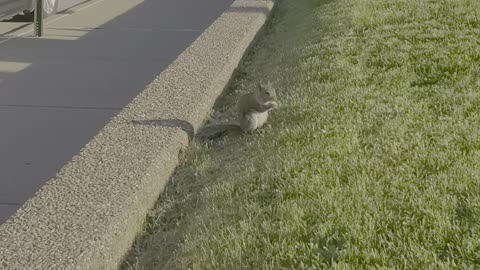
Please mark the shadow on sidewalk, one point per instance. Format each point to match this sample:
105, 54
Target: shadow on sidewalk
169, 123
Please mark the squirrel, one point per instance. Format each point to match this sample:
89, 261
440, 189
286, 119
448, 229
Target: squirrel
253, 111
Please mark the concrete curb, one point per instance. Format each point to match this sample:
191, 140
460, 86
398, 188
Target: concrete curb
88, 215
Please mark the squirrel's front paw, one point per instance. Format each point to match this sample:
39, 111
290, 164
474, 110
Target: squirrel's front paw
275, 104
271, 105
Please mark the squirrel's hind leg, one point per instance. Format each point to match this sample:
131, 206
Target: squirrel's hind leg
248, 123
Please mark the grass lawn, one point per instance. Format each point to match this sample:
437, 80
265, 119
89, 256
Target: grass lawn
372, 162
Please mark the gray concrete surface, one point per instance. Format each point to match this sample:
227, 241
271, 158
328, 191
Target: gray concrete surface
58, 91
64, 5
87, 216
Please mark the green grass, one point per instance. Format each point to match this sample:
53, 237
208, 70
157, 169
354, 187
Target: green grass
372, 162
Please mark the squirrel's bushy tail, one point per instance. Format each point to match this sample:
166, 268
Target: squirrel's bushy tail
212, 132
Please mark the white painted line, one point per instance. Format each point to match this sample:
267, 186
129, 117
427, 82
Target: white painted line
159, 29
10, 38
92, 4
51, 21
127, 29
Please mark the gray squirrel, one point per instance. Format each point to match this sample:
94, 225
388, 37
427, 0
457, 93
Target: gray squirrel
253, 110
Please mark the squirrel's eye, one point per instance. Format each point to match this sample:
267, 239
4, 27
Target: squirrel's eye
268, 93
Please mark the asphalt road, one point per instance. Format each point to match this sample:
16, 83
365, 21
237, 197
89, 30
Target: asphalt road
58, 91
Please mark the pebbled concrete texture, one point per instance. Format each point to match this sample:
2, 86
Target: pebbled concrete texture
88, 215
58, 91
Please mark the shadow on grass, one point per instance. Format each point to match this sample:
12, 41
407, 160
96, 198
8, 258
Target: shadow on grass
163, 230
467, 216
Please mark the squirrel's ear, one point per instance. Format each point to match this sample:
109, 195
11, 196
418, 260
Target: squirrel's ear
260, 86
270, 84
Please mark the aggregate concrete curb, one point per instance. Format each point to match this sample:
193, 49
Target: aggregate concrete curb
88, 215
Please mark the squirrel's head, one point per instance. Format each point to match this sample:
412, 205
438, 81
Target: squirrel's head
266, 92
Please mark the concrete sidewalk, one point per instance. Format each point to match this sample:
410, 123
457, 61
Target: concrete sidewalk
88, 215
58, 91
